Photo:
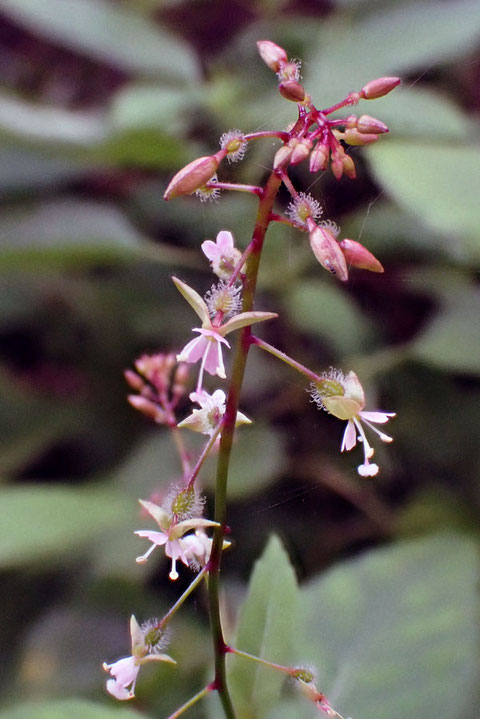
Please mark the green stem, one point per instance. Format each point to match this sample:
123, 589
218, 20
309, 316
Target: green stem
202, 693
253, 658
204, 455
288, 360
219, 647
182, 598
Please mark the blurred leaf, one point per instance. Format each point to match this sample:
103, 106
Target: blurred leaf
47, 522
106, 32
395, 633
438, 183
153, 106
451, 341
326, 311
258, 457
353, 50
73, 708
23, 169
266, 629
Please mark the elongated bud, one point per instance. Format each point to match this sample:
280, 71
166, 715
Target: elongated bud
319, 157
147, 407
357, 255
282, 156
292, 90
301, 151
367, 124
134, 380
327, 250
379, 87
193, 176
272, 55
349, 167
354, 137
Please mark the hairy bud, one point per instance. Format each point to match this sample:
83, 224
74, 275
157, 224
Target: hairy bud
357, 255
272, 55
379, 87
193, 176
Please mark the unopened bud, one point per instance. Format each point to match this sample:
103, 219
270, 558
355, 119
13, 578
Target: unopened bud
319, 157
354, 137
327, 251
193, 176
357, 255
367, 124
301, 151
147, 407
282, 156
379, 87
337, 166
134, 380
272, 55
351, 121
292, 90
349, 167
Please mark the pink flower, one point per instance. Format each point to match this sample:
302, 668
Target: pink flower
223, 254
208, 347
170, 536
146, 642
343, 396
212, 409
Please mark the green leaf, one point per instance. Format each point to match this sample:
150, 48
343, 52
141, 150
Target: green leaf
437, 182
325, 310
451, 341
393, 40
266, 629
106, 32
38, 523
395, 632
71, 708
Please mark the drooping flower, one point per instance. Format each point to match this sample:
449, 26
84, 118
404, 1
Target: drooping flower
212, 409
171, 534
223, 254
147, 642
208, 346
343, 396
199, 547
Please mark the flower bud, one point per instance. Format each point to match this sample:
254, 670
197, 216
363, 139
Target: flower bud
379, 87
147, 407
301, 151
327, 250
292, 90
193, 176
357, 255
337, 166
134, 380
319, 157
282, 156
272, 55
349, 167
354, 137
367, 124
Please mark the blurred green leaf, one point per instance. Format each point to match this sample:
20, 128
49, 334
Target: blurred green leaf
451, 341
326, 311
46, 523
266, 629
73, 708
106, 32
395, 632
436, 181
353, 50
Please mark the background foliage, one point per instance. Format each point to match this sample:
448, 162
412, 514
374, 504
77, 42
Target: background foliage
100, 102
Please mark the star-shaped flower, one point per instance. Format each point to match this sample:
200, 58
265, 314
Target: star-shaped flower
223, 254
146, 642
208, 346
344, 398
206, 419
170, 536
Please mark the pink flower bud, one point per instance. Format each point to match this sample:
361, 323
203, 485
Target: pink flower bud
337, 166
193, 176
292, 90
369, 124
272, 55
354, 137
327, 251
319, 157
147, 407
358, 256
301, 151
379, 87
282, 157
349, 167
134, 380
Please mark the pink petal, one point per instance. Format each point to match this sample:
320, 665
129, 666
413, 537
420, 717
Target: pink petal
158, 538
174, 550
210, 250
225, 241
194, 350
349, 437
377, 417
118, 691
125, 671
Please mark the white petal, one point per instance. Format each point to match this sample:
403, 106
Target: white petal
377, 417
